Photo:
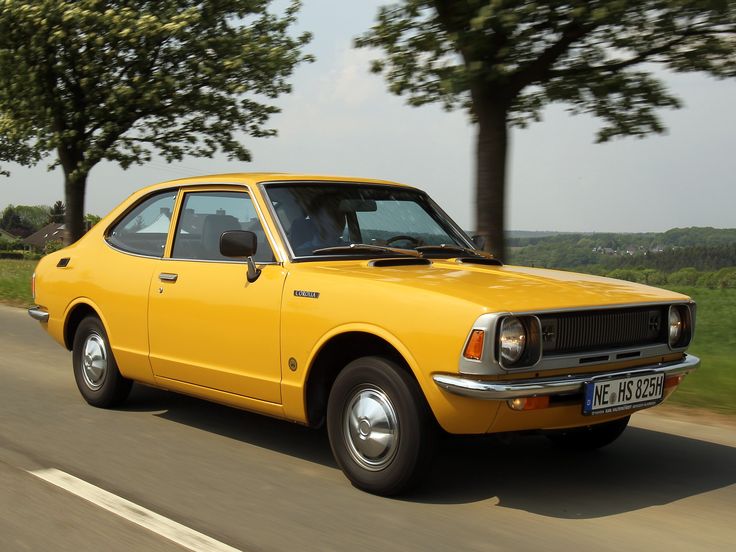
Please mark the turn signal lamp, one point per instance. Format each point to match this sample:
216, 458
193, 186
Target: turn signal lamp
474, 347
529, 403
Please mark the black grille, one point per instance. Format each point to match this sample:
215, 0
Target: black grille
590, 331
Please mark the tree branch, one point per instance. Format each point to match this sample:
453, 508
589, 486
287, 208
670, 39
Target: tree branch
639, 58
539, 68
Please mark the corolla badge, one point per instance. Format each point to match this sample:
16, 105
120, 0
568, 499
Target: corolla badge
307, 294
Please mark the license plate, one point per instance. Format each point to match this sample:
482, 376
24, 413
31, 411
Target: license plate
615, 395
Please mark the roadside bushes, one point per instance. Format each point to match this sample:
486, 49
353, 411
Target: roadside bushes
724, 278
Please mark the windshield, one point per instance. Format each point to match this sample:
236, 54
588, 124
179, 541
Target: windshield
321, 216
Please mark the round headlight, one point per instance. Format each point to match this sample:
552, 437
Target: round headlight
675, 326
512, 339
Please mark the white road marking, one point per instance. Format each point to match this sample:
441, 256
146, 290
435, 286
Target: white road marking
175, 532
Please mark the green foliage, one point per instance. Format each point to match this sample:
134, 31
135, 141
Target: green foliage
529, 54
15, 282
57, 212
713, 385
51, 246
666, 252
24, 220
89, 80
91, 220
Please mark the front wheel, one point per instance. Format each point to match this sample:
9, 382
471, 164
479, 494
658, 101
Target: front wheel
590, 437
380, 428
95, 370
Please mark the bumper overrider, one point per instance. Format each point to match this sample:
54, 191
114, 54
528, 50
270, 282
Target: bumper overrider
558, 385
37, 313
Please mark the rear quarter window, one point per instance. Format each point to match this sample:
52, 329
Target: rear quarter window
145, 228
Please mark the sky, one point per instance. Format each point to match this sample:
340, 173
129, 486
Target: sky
341, 120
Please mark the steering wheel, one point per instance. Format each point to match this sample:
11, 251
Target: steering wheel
414, 241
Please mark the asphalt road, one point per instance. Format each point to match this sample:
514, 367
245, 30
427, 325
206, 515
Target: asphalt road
259, 484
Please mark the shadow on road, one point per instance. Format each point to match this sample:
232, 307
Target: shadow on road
262, 431
642, 469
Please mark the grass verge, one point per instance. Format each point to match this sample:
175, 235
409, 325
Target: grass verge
15, 282
713, 385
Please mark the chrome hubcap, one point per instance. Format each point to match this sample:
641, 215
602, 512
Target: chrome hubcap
371, 428
94, 361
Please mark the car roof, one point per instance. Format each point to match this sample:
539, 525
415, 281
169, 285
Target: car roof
259, 177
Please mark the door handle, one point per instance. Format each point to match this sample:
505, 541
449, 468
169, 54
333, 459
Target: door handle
168, 277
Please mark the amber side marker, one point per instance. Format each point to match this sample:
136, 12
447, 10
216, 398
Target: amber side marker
474, 348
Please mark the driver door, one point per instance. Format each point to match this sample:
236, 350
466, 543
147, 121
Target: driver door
208, 326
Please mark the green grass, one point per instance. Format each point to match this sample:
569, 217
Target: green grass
15, 282
712, 386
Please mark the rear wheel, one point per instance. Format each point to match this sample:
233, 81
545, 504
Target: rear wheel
95, 370
590, 437
380, 428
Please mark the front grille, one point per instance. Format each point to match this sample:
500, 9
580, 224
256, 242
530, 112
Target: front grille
598, 330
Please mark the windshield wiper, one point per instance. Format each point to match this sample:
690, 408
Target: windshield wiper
354, 248
442, 249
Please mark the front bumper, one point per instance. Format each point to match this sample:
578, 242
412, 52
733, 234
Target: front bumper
558, 385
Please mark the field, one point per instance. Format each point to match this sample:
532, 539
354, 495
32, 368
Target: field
713, 386
15, 282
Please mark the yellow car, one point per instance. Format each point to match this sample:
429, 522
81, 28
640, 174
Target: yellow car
358, 304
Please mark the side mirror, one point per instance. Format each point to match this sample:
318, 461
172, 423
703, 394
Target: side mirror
241, 244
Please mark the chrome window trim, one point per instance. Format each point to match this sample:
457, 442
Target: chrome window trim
259, 214
179, 189
108, 228
309, 258
489, 365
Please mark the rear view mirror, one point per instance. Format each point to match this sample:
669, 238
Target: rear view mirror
241, 244
357, 206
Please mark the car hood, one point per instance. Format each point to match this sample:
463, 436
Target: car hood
495, 288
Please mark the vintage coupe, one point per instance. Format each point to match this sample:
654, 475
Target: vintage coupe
357, 304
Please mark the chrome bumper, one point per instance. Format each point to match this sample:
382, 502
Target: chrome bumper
515, 389
39, 314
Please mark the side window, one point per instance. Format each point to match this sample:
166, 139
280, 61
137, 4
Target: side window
145, 228
206, 215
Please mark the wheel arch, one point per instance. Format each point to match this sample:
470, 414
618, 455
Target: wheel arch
77, 311
335, 352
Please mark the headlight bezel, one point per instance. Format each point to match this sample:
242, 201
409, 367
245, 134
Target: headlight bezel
531, 352
685, 313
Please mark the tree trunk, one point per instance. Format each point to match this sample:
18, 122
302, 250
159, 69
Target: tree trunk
491, 152
75, 184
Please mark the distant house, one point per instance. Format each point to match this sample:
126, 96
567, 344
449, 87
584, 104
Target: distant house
51, 232
7, 236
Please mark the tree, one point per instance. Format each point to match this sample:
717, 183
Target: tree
90, 220
58, 210
504, 60
117, 80
24, 220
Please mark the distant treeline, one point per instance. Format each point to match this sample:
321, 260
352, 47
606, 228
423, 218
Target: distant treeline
681, 256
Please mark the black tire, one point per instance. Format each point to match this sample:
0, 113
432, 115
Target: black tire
96, 373
380, 387
590, 437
